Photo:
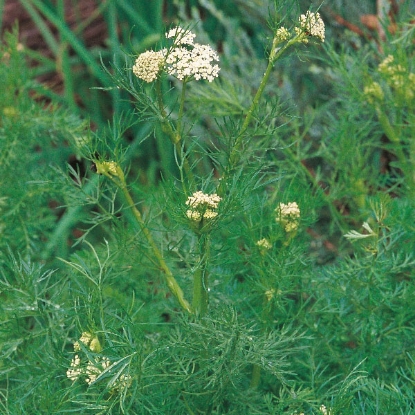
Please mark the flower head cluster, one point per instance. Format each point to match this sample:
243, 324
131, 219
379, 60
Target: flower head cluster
148, 65
288, 216
184, 59
93, 366
282, 34
264, 244
387, 66
75, 370
398, 77
88, 340
311, 24
272, 293
202, 206
196, 62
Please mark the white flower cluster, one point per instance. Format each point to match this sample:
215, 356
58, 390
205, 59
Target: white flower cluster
270, 294
282, 34
75, 369
288, 216
95, 367
311, 24
197, 62
264, 243
202, 206
184, 59
149, 64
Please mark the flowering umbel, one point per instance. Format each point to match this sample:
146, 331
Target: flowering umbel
148, 65
311, 24
264, 244
185, 59
91, 367
288, 215
202, 206
398, 77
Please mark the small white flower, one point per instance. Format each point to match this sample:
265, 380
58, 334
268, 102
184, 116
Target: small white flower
199, 198
269, 294
185, 59
124, 381
194, 215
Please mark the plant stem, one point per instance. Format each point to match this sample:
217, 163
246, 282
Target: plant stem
171, 281
175, 136
114, 172
265, 317
273, 57
181, 110
200, 301
236, 151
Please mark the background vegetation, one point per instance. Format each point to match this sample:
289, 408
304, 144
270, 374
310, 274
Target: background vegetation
324, 317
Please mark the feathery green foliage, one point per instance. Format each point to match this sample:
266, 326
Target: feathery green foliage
263, 264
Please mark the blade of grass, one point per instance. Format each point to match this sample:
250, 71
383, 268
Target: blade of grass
152, 10
66, 33
42, 26
63, 65
111, 18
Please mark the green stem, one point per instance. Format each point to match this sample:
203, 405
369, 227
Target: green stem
114, 172
175, 136
171, 281
273, 57
265, 318
181, 109
236, 151
200, 301
165, 125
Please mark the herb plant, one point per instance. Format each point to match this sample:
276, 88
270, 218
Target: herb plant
263, 266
